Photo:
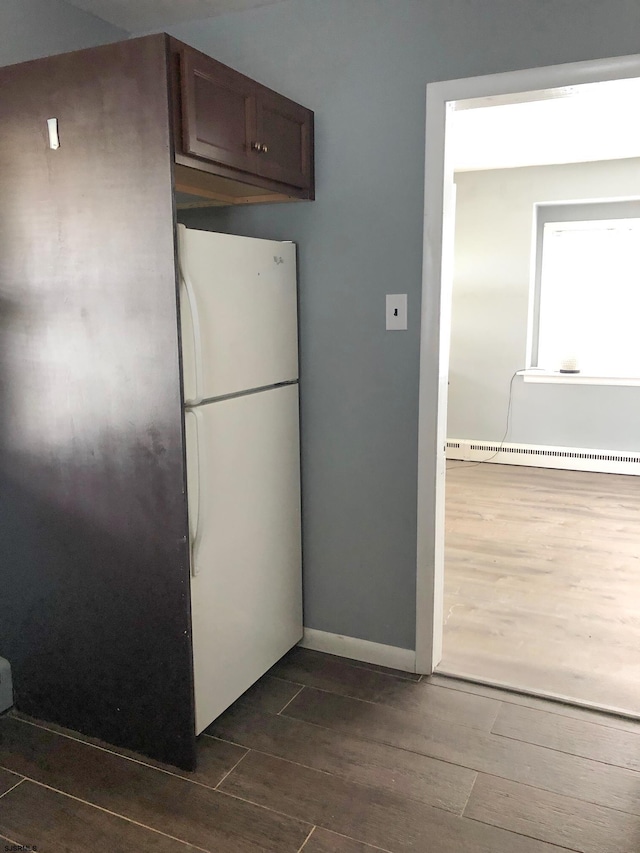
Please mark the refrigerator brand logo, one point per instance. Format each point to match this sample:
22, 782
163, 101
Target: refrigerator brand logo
278, 260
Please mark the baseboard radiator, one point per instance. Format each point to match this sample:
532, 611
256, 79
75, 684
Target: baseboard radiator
544, 456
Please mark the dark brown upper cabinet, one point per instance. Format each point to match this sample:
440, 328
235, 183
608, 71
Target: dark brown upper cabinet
218, 112
237, 141
283, 131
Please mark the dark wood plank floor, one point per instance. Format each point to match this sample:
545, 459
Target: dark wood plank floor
542, 581
331, 756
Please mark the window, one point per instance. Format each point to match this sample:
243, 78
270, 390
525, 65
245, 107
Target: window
587, 299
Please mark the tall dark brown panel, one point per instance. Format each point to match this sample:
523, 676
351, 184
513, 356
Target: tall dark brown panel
94, 578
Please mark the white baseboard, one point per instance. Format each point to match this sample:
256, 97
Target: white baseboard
362, 650
544, 456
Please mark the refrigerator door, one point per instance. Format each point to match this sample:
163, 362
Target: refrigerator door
239, 313
246, 588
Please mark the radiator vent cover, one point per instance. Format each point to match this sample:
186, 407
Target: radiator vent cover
543, 456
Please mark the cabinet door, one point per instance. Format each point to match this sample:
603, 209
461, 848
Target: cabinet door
218, 112
284, 133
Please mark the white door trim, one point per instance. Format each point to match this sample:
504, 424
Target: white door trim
436, 304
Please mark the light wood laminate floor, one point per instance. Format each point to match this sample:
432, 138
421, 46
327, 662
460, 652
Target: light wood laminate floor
542, 581
326, 755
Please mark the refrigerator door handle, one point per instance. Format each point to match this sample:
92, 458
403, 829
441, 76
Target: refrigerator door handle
189, 289
195, 492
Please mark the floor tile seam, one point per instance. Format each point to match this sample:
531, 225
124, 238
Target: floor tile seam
376, 699
427, 687
368, 666
553, 703
435, 718
495, 718
599, 724
13, 787
357, 840
339, 776
556, 793
225, 740
362, 665
385, 743
486, 732
567, 752
324, 826
613, 809
366, 739
368, 785
229, 772
286, 705
140, 761
552, 844
461, 817
474, 769
304, 843
390, 745
254, 804
473, 785
283, 679
115, 814
341, 695
228, 794
376, 692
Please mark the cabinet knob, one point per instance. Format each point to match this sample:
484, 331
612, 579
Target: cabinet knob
255, 146
265, 149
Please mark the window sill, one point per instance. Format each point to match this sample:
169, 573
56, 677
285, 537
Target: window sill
548, 376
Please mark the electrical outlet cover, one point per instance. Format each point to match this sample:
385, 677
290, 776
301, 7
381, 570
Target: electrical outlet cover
396, 312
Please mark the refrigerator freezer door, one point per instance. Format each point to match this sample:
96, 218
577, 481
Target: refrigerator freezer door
239, 313
246, 585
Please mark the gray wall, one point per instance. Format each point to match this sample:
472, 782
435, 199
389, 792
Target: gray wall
363, 65
494, 218
33, 28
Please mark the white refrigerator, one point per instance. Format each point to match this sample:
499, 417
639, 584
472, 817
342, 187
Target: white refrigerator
240, 370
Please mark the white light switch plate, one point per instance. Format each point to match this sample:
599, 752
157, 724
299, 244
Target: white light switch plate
396, 312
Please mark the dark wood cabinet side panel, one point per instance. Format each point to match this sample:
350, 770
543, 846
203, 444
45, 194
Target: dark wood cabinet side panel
94, 563
312, 157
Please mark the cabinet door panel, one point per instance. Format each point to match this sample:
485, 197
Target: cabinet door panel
218, 112
284, 131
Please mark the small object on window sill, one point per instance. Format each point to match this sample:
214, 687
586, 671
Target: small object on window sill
569, 365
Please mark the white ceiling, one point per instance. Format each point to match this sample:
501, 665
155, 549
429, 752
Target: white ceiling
145, 15
595, 122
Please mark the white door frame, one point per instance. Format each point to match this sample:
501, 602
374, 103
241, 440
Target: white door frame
436, 309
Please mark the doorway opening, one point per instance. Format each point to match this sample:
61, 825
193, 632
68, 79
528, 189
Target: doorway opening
517, 444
